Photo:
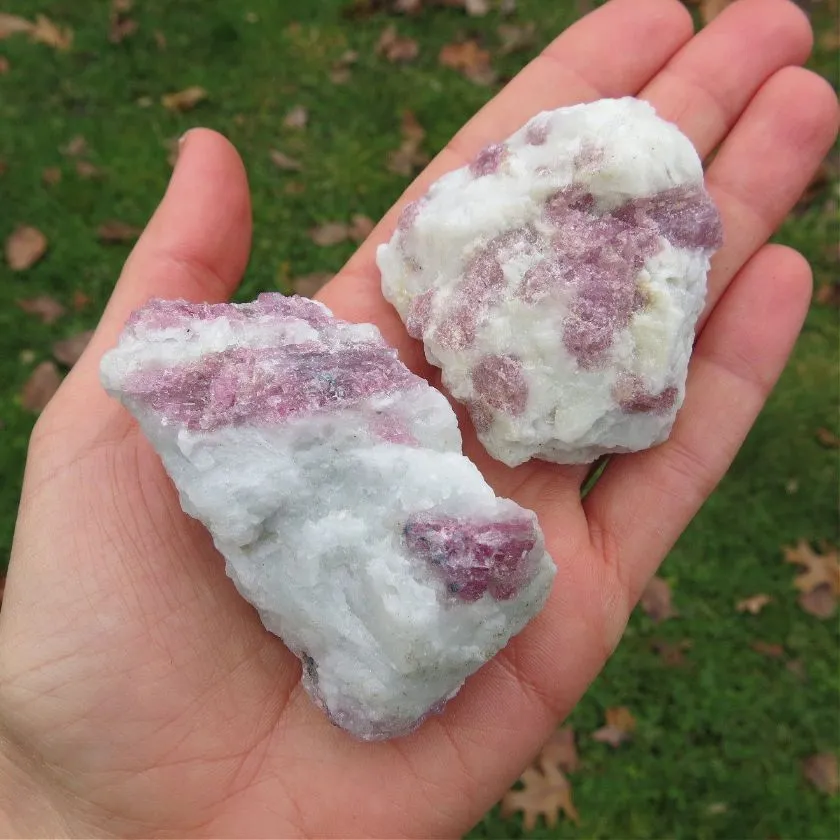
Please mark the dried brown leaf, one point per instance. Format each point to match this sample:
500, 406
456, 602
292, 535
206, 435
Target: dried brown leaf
340, 72
298, 117
821, 771
476, 8
69, 350
284, 162
4, 65
515, 37
121, 28
620, 727
710, 9
820, 568
85, 169
295, 188
395, 48
46, 32
770, 649
656, 600
76, 147
39, 388
754, 604
360, 227
80, 300
559, 751
409, 157
827, 438
184, 100
309, 284
160, 40
24, 247
820, 602
48, 309
51, 176
330, 233
545, 795
115, 231
13, 24
470, 60
672, 654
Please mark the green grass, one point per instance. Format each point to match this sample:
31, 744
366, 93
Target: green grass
720, 739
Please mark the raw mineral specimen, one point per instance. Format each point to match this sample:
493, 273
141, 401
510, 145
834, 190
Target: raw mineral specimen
332, 481
557, 280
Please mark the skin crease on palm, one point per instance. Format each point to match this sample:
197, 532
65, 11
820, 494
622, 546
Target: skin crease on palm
140, 695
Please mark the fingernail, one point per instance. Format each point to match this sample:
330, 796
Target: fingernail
182, 140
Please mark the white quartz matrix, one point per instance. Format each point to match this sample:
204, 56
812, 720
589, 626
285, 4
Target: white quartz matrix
332, 481
557, 279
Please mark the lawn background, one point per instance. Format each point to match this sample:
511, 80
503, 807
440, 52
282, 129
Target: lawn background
720, 737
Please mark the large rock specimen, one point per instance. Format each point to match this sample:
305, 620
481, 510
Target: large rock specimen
557, 279
332, 481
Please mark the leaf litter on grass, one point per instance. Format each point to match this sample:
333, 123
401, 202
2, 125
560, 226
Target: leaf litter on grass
38, 390
24, 247
546, 791
620, 726
47, 308
409, 157
656, 600
819, 584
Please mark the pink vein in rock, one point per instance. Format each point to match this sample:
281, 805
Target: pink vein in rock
686, 216
634, 397
499, 381
267, 385
474, 557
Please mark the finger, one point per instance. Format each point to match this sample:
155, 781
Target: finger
644, 501
588, 61
706, 85
197, 243
765, 164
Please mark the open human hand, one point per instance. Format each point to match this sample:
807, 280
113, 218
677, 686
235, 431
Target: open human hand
141, 696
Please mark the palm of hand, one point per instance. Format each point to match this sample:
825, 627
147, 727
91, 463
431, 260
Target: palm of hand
140, 695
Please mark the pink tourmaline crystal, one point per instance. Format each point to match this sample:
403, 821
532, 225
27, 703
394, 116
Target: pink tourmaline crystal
553, 270
332, 482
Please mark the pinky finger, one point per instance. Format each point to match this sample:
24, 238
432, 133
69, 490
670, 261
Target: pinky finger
644, 501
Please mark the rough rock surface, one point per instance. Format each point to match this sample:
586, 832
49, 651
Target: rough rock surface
557, 280
332, 481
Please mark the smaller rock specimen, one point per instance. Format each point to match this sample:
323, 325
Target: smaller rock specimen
556, 281
332, 481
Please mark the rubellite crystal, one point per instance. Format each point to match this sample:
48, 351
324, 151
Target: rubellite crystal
557, 279
332, 482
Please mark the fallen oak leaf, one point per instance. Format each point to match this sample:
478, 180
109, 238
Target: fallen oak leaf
5, 66
470, 60
820, 602
409, 157
340, 72
543, 794
75, 147
671, 653
283, 161
559, 751
85, 169
51, 176
69, 350
821, 568
620, 727
46, 32
115, 232
48, 309
476, 8
754, 604
330, 233
40, 387
827, 438
24, 247
821, 771
656, 600
13, 25
396, 48
184, 100
80, 300
360, 227
770, 649
297, 117
514, 38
